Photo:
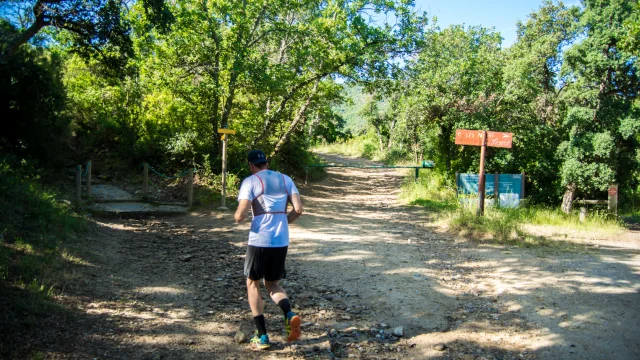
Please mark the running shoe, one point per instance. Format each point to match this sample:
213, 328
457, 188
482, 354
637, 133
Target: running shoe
292, 326
260, 342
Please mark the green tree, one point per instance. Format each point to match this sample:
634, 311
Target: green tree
95, 26
263, 67
456, 83
531, 103
33, 99
601, 120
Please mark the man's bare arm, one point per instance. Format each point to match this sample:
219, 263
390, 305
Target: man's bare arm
243, 210
297, 208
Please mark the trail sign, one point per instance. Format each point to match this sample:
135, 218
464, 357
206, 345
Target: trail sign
224, 132
469, 137
613, 199
499, 139
475, 138
483, 139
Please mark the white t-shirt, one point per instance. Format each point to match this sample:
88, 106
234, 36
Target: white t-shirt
269, 230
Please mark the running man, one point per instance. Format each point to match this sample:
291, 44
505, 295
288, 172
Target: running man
267, 193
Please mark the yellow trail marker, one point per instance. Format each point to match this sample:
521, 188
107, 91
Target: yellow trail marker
226, 131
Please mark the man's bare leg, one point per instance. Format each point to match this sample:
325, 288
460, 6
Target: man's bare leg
276, 291
261, 341
253, 295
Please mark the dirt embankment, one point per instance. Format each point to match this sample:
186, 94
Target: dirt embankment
361, 266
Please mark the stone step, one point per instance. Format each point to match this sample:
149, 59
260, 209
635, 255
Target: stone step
109, 192
135, 209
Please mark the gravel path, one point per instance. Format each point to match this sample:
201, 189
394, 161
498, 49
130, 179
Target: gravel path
361, 268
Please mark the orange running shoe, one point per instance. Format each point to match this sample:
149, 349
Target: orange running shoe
292, 326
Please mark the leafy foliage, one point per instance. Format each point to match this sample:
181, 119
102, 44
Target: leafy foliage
32, 100
155, 81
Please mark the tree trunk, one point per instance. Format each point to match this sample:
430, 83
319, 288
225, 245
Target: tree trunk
229, 103
446, 144
215, 118
393, 125
283, 104
313, 124
415, 143
235, 72
296, 120
567, 198
379, 137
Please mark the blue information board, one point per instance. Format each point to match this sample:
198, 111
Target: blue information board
509, 186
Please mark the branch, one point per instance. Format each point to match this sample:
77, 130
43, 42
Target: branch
26, 35
297, 119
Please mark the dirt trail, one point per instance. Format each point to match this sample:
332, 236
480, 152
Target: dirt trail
479, 300
360, 266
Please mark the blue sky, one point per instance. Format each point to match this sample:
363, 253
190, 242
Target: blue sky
499, 14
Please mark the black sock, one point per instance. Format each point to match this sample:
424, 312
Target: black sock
285, 306
260, 325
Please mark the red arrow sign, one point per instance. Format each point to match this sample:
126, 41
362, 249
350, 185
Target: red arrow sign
499, 139
474, 138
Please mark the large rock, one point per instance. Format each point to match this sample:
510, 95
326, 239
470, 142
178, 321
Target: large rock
399, 331
240, 337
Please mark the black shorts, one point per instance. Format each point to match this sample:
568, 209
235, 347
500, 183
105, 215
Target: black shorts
265, 262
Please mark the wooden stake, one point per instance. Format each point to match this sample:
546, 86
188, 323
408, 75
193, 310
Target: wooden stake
613, 199
522, 187
78, 185
496, 190
145, 180
481, 182
89, 180
190, 189
223, 199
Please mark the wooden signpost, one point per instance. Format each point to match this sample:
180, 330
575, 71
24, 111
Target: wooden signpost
613, 199
483, 139
224, 132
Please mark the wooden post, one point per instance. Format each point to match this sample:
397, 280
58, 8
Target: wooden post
613, 199
417, 173
522, 187
145, 180
78, 185
89, 180
496, 189
457, 184
481, 182
306, 175
190, 189
583, 214
223, 199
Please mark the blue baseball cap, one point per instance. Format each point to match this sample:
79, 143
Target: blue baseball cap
257, 157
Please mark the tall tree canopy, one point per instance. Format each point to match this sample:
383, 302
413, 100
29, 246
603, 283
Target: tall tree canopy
155, 80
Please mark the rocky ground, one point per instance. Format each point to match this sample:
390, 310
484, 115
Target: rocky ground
371, 278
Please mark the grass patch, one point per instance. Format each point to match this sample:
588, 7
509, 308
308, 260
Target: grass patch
207, 189
510, 226
431, 191
436, 193
34, 231
633, 217
360, 147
